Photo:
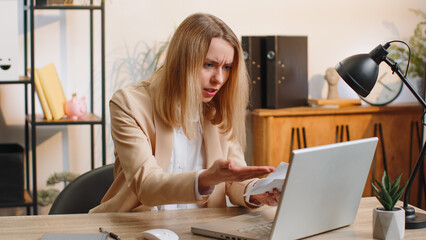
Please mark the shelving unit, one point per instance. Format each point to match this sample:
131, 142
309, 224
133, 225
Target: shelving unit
33, 120
28, 199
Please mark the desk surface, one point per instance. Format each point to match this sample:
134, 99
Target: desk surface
130, 225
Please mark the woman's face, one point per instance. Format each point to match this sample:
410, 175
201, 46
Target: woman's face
216, 68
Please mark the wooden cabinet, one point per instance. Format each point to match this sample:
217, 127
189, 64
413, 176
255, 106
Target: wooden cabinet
277, 131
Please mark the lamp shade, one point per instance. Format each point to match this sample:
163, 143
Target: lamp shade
359, 72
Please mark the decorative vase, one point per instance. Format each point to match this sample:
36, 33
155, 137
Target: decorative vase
388, 224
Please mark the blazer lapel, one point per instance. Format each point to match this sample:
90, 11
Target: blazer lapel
163, 142
211, 143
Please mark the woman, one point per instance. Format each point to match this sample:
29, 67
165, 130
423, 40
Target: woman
189, 116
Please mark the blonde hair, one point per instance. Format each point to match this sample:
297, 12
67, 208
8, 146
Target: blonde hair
176, 85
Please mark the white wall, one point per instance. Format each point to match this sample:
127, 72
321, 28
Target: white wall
336, 29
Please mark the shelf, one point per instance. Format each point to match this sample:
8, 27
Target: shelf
88, 119
28, 202
33, 120
65, 7
22, 80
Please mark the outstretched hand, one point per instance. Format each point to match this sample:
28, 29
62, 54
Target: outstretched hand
227, 171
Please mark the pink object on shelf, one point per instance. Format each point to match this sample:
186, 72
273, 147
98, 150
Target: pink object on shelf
76, 107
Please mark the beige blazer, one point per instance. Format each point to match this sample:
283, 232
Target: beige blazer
143, 148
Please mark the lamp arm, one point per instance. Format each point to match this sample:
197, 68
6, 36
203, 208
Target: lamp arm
413, 175
396, 70
412, 221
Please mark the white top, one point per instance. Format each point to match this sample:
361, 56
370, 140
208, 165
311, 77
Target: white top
187, 155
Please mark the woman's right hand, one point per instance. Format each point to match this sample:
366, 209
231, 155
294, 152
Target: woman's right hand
226, 171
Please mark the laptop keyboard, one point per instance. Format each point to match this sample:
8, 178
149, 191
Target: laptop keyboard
259, 230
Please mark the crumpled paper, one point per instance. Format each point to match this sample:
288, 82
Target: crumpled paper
273, 180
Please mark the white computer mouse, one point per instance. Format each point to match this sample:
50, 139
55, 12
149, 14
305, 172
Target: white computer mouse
160, 234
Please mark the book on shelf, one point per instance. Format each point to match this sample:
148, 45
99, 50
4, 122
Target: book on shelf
42, 97
52, 89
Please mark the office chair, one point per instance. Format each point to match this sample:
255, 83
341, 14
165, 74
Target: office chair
84, 192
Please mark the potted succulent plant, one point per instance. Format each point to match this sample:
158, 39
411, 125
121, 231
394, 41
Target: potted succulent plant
388, 221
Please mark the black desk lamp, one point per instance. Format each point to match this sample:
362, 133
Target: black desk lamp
360, 73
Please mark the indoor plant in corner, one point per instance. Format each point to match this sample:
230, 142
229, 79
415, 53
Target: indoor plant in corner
388, 221
45, 198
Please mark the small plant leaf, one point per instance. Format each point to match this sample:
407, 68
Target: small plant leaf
398, 194
376, 190
388, 194
386, 181
378, 195
385, 194
386, 204
395, 186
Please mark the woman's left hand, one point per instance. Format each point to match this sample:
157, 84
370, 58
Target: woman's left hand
268, 198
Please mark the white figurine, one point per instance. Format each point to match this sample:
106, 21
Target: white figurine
332, 78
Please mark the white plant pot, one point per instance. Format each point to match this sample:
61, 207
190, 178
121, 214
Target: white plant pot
388, 224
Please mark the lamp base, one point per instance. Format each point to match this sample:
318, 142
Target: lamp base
414, 220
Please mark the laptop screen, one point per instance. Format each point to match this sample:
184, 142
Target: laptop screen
321, 192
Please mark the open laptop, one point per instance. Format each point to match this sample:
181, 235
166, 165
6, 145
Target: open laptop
321, 192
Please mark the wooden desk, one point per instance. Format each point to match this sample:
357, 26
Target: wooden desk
130, 225
277, 131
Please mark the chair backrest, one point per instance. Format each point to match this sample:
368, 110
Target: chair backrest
84, 192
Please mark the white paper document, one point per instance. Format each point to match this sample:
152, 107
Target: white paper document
273, 180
